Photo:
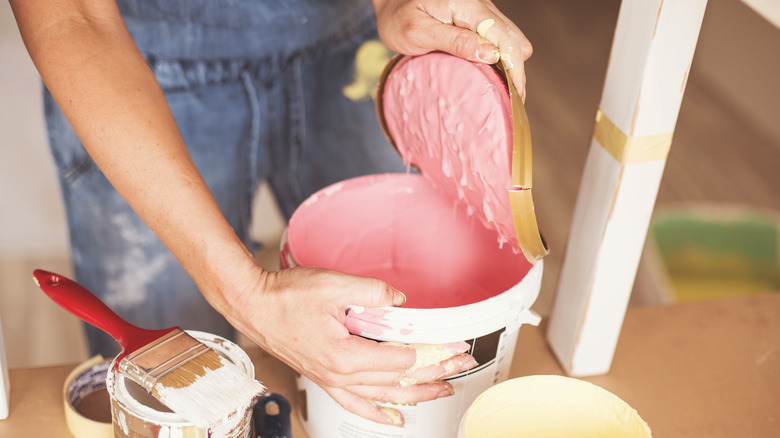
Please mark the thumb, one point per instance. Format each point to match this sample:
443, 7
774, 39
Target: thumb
463, 43
373, 292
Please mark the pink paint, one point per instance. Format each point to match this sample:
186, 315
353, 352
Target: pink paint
367, 321
453, 119
446, 238
399, 228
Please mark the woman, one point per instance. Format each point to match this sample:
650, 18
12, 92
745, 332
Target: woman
163, 116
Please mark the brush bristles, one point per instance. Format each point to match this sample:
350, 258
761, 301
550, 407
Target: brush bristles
185, 374
207, 390
191, 379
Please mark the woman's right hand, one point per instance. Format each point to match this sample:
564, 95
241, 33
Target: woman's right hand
299, 316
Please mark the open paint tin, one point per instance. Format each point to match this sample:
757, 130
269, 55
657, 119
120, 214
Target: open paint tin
135, 413
551, 407
445, 238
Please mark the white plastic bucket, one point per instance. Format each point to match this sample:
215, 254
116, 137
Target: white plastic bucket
551, 407
466, 288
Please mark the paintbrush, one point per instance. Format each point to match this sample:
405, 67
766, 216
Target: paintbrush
184, 374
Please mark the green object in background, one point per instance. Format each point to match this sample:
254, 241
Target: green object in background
717, 252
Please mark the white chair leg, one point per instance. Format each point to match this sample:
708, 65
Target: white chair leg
649, 64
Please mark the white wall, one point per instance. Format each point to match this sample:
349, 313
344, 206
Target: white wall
32, 224
32, 213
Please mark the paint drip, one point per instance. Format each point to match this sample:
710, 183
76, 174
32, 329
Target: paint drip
461, 141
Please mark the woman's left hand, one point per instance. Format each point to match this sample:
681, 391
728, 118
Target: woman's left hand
471, 29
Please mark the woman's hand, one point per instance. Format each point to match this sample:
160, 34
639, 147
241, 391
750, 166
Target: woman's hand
109, 94
471, 29
298, 315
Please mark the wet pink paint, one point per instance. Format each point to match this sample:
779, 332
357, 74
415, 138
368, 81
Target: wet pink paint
446, 238
453, 119
397, 227
367, 322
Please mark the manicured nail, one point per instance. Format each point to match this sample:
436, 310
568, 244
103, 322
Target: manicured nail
399, 299
488, 53
468, 365
447, 392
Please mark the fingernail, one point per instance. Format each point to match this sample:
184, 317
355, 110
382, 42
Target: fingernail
458, 347
399, 299
393, 417
449, 391
487, 53
518, 84
468, 365
407, 381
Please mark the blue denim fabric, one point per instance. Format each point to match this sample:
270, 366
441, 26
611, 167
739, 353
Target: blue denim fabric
256, 90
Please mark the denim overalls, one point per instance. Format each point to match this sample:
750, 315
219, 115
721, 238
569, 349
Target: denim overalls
255, 87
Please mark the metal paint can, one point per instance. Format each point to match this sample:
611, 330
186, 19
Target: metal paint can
137, 414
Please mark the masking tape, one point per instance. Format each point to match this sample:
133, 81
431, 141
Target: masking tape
86, 378
630, 150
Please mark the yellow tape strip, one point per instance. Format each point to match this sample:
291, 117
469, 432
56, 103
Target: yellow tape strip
629, 150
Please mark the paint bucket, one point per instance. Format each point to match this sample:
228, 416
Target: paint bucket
551, 407
445, 238
480, 293
135, 413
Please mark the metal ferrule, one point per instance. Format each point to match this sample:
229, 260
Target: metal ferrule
153, 361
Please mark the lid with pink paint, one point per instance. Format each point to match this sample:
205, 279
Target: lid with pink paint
452, 119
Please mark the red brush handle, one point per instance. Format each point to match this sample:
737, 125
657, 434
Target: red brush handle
77, 300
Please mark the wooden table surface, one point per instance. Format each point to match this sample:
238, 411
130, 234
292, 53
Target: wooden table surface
709, 369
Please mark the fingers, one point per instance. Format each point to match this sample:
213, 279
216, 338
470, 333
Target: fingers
391, 364
461, 42
365, 408
435, 362
514, 47
471, 29
403, 396
361, 398
404, 359
370, 292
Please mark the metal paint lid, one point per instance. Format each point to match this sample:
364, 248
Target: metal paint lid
445, 115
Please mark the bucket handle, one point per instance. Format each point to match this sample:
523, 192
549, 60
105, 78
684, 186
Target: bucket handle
271, 417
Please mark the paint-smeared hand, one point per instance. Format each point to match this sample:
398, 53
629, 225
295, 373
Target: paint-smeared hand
471, 29
298, 315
